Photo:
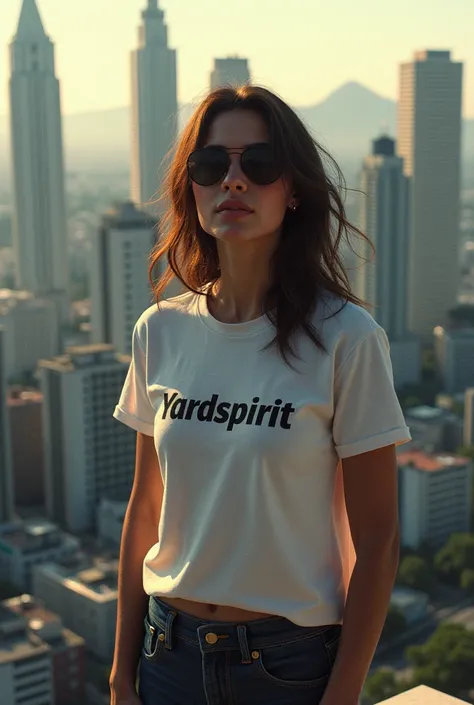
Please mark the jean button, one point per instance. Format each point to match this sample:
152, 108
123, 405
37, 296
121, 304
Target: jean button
211, 638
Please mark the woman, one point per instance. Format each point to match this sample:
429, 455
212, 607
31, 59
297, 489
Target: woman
246, 392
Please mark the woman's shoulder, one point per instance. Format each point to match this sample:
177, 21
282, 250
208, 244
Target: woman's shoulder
343, 324
166, 312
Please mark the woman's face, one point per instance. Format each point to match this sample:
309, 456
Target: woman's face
263, 207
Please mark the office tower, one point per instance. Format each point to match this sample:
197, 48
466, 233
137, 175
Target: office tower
469, 417
435, 497
84, 593
6, 467
232, 71
41, 662
154, 106
454, 350
120, 290
429, 131
24, 408
40, 234
381, 281
88, 455
31, 331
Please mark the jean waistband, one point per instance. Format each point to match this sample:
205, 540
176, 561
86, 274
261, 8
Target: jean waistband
224, 636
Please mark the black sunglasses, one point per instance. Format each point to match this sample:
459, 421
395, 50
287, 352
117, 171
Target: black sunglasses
209, 165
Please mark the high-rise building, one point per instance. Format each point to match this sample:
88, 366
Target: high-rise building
154, 106
84, 593
40, 234
381, 281
120, 289
429, 132
31, 331
232, 71
435, 497
454, 351
24, 407
469, 417
6, 467
87, 457
41, 662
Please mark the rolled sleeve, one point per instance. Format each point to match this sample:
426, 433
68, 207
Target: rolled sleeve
367, 413
134, 407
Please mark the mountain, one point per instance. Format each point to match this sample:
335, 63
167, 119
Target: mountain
345, 122
349, 118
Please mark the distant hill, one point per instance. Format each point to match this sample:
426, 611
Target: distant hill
345, 122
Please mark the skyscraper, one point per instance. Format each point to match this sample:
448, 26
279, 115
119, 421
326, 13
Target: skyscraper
40, 236
86, 456
6, 468
429, 130
382, 282
120, 290
230, 71
384, 219
154, 105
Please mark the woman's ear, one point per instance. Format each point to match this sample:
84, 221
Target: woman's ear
294, 202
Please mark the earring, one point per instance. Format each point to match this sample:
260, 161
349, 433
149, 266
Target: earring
294, 207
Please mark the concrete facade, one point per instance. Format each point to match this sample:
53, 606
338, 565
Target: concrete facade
120, 289
429, 138
232, 70
84, 594
87, 454
154, 106
40, 234
435, 497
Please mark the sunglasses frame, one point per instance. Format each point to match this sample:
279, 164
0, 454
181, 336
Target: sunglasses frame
227, 153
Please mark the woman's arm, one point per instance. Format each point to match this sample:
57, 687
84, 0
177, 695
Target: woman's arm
370, 487
140, 531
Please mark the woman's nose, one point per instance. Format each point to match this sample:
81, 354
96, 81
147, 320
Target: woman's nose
235, 178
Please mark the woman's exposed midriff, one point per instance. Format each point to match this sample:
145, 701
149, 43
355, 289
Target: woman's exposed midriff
214, 613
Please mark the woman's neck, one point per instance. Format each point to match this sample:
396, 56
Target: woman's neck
245, 278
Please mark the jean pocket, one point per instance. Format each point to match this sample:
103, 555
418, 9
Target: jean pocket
153, 642
332, 638
299, 664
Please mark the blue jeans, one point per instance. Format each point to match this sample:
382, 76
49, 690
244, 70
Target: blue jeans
270, 661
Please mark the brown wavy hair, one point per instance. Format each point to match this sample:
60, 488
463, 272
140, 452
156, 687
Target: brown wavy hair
307, 261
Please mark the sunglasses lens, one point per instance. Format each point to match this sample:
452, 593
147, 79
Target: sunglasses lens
260, 165
207, 166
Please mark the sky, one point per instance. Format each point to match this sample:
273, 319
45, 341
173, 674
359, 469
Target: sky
303, 49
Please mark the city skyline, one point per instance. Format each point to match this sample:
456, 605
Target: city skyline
356, 50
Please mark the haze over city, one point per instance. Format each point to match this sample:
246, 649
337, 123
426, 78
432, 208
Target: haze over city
94, 95
304, 50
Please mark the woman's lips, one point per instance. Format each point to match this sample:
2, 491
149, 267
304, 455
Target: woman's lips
233, 213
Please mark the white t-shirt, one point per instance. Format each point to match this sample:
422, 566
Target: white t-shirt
248, 449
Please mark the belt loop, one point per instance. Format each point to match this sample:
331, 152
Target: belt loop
168, 630
243, 643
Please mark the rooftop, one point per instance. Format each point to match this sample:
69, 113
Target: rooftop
35, 535
423, 696
425, 413
82, 356
124, 215
23, 396
431, 462
28, 629
95, 579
